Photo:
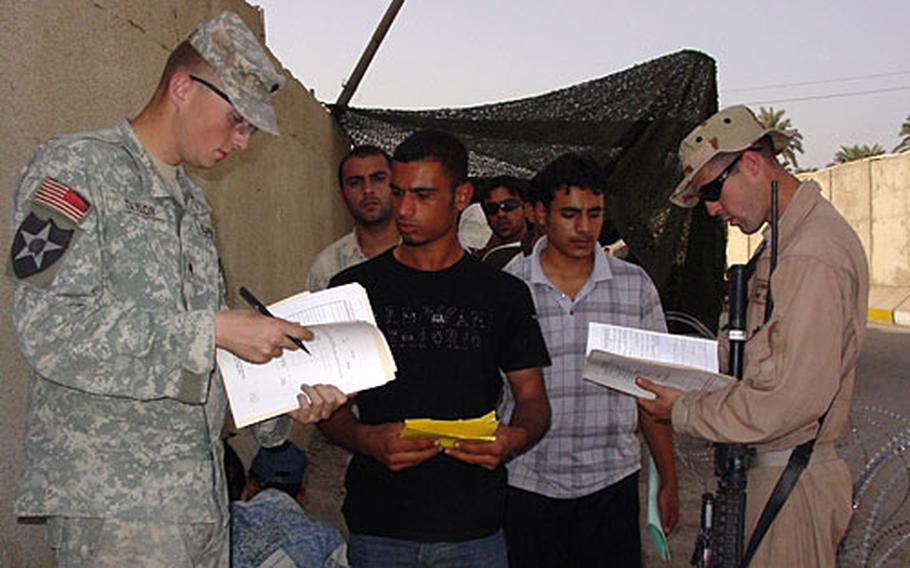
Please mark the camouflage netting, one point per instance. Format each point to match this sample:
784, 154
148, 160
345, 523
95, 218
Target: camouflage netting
631, 122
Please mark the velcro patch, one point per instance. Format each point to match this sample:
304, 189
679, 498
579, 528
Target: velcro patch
38, 244
62, 199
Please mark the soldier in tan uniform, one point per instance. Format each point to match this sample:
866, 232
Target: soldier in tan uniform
119, 306
800, 364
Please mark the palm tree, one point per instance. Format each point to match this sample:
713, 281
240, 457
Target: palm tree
771, 118
857, 152
905, 132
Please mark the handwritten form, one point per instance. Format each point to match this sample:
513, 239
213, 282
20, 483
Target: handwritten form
347, 351
615, 355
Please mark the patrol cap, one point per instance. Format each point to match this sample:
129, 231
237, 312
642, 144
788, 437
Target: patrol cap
247, 75
282, 464
733, 129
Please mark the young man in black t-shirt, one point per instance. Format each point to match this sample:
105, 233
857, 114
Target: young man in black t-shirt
453, 324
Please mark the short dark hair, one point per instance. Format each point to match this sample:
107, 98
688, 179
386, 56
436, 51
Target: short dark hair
568, 170
515, 186
439, 146
765, 146
361, 151
184, 58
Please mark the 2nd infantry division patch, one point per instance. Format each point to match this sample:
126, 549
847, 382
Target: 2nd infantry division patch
48, 230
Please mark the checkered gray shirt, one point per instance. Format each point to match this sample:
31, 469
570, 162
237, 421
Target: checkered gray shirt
592, 440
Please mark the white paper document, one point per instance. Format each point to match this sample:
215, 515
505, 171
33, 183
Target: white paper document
347, 351
615, 355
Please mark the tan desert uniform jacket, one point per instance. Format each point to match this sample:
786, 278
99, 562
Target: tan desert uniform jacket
796, 366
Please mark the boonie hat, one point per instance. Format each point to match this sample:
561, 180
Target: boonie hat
282, 464
733, 129
247, 75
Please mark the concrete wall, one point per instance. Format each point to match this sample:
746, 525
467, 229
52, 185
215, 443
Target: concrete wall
82, 64
874, 196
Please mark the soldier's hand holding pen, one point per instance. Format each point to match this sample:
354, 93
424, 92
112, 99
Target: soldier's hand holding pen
254, 337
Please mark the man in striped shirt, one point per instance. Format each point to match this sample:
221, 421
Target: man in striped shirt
573, 498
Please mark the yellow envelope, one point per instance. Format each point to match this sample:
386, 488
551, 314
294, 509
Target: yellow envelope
447, 431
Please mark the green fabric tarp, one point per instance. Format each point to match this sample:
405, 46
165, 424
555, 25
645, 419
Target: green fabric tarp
631, 122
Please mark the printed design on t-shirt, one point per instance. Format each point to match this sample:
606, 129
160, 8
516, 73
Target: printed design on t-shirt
438, 326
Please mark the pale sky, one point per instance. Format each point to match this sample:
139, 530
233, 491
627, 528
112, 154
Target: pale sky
457, 53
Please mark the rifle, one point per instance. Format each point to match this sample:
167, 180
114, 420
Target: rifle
720, 538
723, 518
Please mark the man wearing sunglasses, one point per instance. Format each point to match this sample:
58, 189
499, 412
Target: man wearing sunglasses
503, 199
800, 356
119, 306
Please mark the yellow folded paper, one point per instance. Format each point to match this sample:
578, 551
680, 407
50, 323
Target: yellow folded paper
447, 431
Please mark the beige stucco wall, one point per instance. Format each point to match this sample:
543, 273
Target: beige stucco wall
890, 234
874, 196
82, 64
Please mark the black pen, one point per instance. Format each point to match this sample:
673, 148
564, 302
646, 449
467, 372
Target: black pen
260, 307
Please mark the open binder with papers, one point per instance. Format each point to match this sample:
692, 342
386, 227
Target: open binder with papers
615, 355
347, 351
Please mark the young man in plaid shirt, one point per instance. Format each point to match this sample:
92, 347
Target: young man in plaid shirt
573, 497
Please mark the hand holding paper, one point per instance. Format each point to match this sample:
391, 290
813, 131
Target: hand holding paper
479, 441
348, 352
490, 455
482, 429
255, 338
662, 406
617, 355
388, 445
317, 402
619, 358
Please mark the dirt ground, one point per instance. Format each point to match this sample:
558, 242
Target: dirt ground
881, 400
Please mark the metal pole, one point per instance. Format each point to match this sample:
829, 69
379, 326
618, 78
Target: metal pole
354, 80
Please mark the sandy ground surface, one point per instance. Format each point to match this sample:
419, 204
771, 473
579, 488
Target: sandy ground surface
881, 403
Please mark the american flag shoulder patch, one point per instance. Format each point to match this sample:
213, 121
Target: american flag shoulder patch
63, 199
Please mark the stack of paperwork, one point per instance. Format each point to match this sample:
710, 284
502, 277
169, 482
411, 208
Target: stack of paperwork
615, 355
347, 351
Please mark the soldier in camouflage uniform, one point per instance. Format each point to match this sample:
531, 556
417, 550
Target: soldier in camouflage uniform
805, 327
119, 306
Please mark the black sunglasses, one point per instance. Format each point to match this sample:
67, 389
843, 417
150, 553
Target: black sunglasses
212, 88
239, 123
711, 190
506, 205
